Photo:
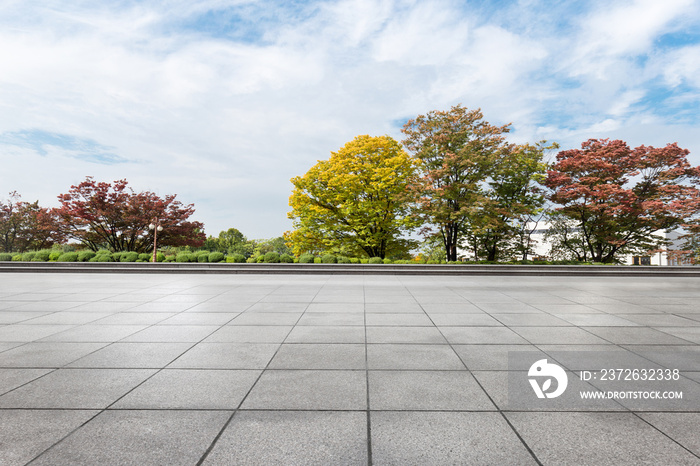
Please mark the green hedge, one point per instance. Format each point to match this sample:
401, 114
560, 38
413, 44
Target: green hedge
68, 257
286, 258
5, 257
185, 257
237, 258
306, 259
216, 257
271, 257
375, 260
329, 259
85, 256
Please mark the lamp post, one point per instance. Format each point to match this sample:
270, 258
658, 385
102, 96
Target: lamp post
155, 226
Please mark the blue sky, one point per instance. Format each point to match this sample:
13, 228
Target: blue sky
222, 102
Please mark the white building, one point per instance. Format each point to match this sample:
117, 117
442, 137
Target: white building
541, 247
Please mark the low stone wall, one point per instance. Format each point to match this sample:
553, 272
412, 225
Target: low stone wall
346, 269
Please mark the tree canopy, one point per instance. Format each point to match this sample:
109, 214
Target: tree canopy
613, 198
457, 150
355, 201
101, 214
26, 225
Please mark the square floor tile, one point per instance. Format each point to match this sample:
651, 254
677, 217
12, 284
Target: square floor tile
46, 354
559, 335
418, 438
133, 355
250, 334
95, 333
635, 336
426, 390
172, 334
398, 320
292, 437
24, 434
140, 437
681, 427
266, 318
416, 357
75, 389
319, 356
326, 334
464, 320
191, 389
226, 356
26, 333
481, 335
302, 389
332, 319
405, 335
200, 318
596, 438
490, 357
13, 378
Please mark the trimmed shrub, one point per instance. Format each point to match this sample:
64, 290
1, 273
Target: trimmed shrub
286, 258
432, 261
388, 261
42, 255
145, 257
306, 259
216, 256
202, 257
376, 260
184, 257
354, 260
117, 256
101, 258
271, 257
343, 260
27, 256
329, 259
85, 256
17, 257
160, 257
68, 257
5, 257
364, 260
130, 256
235, 258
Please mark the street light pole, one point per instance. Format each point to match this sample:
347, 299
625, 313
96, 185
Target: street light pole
155, 226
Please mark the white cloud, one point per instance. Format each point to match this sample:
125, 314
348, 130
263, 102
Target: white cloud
225, 123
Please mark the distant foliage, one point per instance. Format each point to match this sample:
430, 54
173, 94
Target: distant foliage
271, 257
329, 259
85, 256
68, 257
216, 256
306, 259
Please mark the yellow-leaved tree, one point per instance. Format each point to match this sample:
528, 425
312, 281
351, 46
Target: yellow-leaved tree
356, 201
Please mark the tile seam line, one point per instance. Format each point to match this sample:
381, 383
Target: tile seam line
103, 410
498, 408
218, 436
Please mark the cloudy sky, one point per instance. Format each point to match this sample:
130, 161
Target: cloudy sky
223, 101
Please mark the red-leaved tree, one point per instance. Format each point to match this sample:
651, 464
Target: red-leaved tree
113, 215
26, 225
613, 198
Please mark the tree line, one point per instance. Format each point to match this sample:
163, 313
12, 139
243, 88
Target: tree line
458, 181
99, 215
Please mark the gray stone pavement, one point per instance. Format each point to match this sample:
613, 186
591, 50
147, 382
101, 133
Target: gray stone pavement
319, 369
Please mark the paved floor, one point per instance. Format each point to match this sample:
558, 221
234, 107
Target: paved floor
245, 369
